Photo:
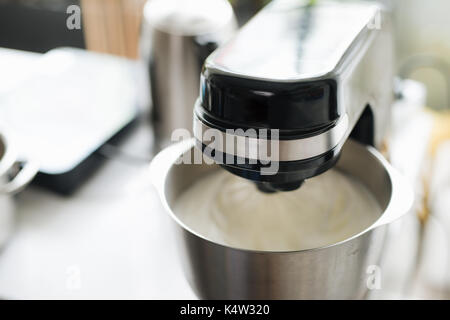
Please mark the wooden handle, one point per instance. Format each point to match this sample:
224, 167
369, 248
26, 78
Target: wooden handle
112, 26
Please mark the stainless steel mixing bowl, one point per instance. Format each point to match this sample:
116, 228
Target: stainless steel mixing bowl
339, 271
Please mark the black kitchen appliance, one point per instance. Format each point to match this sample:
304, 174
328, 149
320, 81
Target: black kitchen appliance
310, 75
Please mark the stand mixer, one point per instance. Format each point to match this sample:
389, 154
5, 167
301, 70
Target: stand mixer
317, 74
295, 84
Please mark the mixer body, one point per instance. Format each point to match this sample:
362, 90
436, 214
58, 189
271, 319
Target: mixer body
312, 76
297, 82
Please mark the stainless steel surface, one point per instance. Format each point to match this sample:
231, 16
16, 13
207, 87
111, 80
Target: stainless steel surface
9, 187
177, 36
350, 43
338, 271
288, 150
313, 40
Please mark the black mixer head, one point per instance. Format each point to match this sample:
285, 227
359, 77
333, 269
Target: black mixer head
284, 95
296, 126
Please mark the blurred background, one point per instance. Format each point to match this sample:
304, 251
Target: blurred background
85, 107
113, 27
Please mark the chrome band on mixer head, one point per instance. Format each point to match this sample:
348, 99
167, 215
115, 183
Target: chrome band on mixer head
246, 146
